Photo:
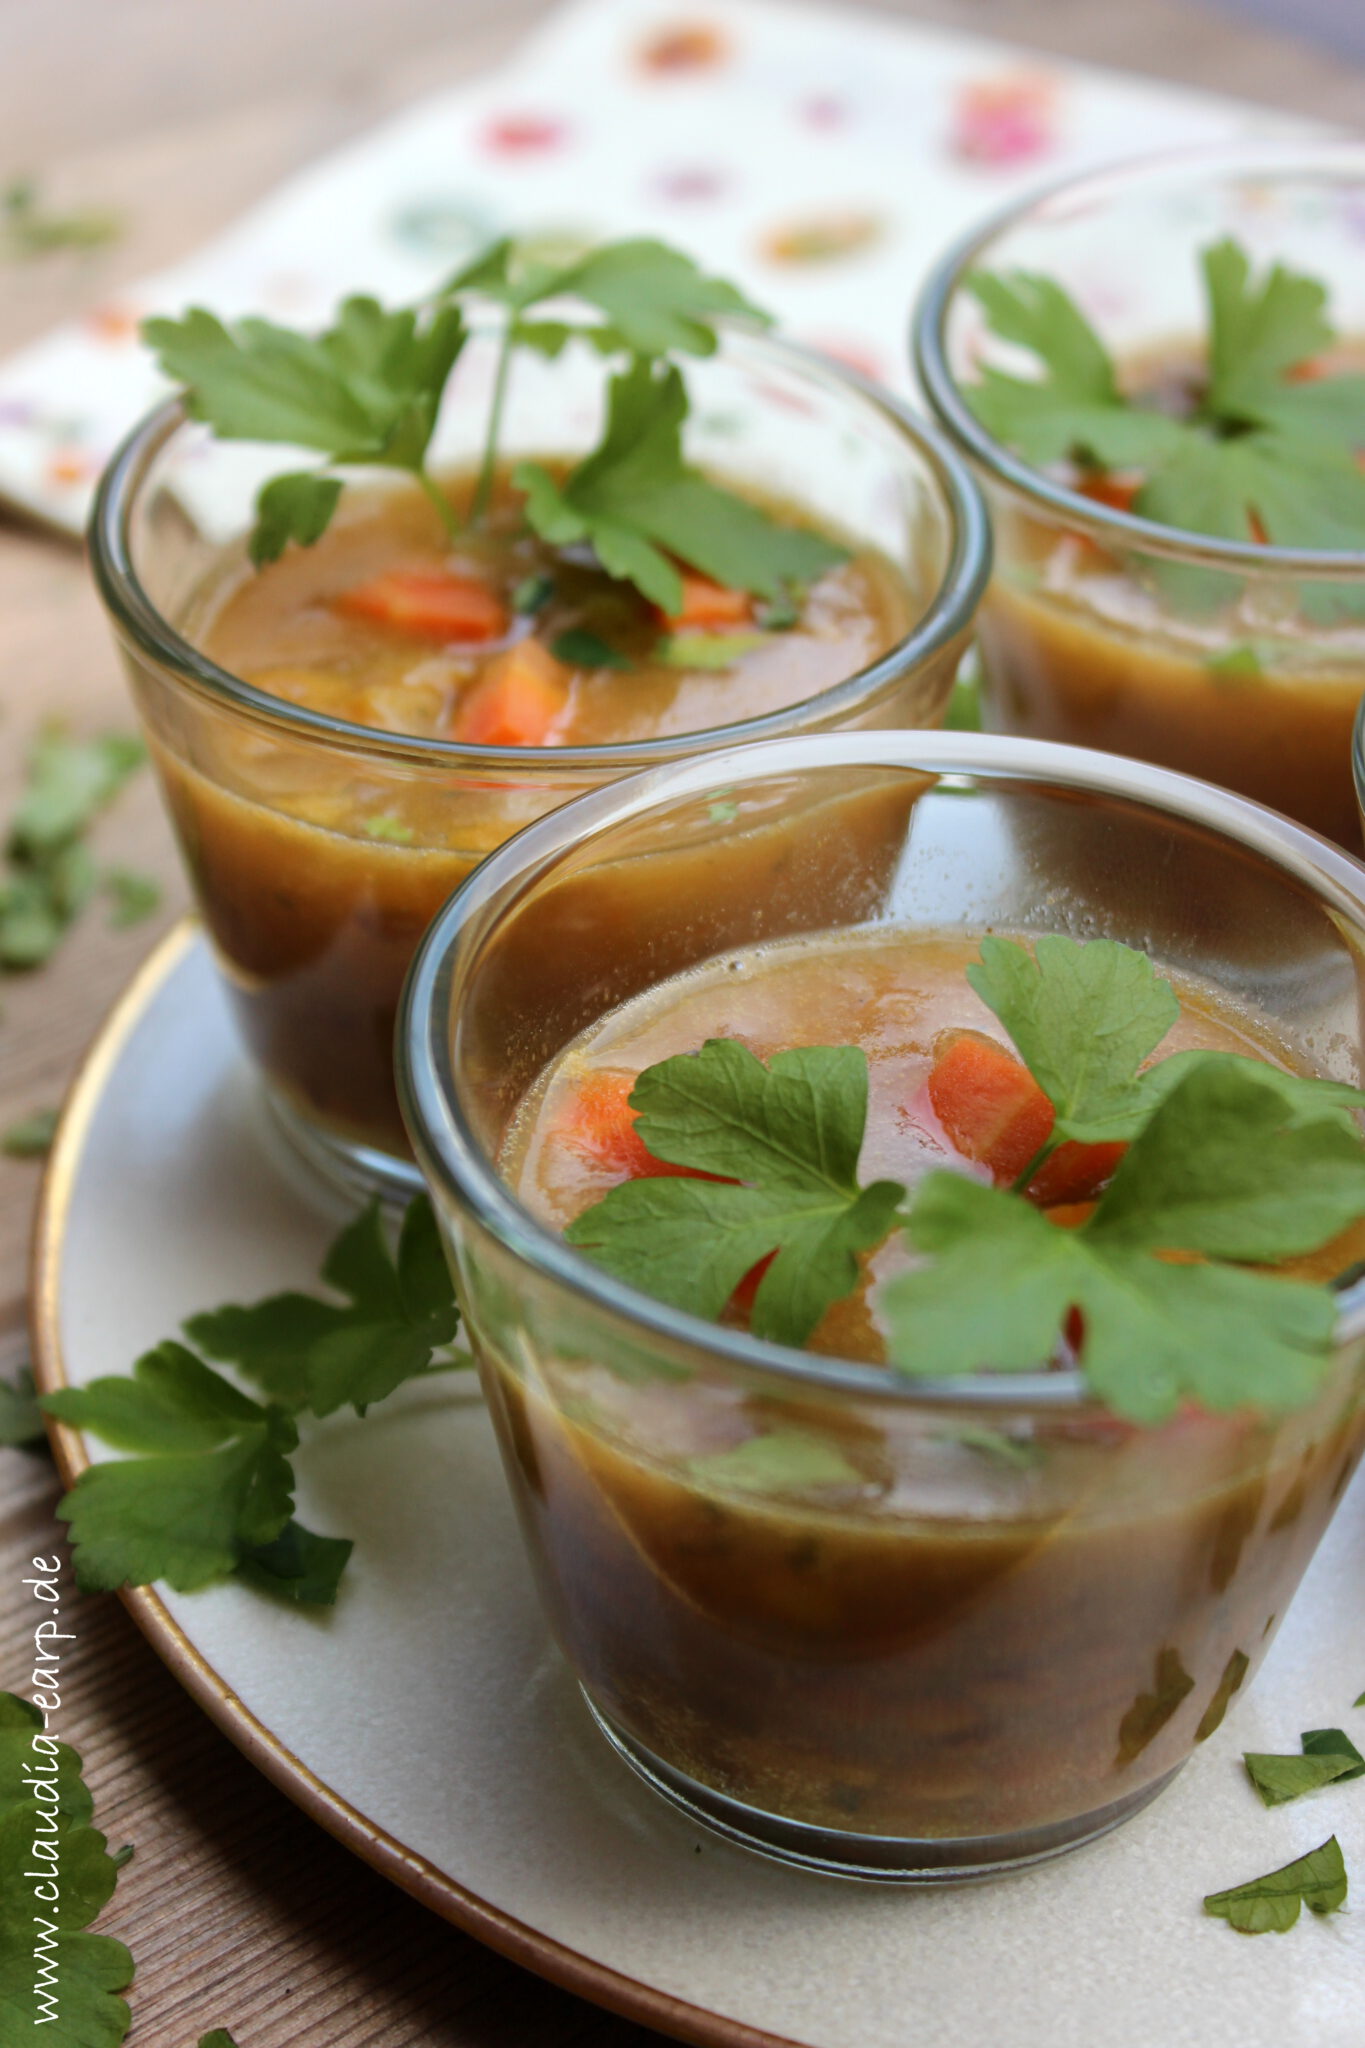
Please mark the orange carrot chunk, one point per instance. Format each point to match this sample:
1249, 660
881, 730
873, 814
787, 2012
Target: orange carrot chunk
435, 603
707, 605
517, 701
598, 1124
995, 1113
1075, 1173
989, 1104
1117, 492
742, 1300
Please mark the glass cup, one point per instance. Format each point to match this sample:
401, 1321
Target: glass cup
1011, 1633
1241, 663
313, 920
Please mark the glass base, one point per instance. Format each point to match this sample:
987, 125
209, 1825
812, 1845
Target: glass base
343, 1166
874, 1859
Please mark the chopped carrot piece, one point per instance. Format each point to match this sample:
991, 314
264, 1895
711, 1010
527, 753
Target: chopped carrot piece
598, 1123
1117, 492
989, 1104
1075, 1174
1070, 1215
706, 604
742, 1300
517, 701
995, 1113
435, 603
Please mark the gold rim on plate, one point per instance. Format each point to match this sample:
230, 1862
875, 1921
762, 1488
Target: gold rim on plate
432, 1887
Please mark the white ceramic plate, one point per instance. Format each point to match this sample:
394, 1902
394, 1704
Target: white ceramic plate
431, 1725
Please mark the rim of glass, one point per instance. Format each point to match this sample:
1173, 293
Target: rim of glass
948, 614
1332, 162
452, 1156
1358, 756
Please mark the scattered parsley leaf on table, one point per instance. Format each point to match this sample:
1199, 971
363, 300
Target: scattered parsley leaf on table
792, 1130
1278, 1779
49, 873
1336, 1743
1271, 1904
133, 896
21, 1419
210, 1491
308, 1353
215, 1480
219, 2038
31, 1137
29, 229
78, 1975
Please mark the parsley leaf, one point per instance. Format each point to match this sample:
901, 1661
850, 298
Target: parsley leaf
134, 896
31, 1136
1304, 495
1271, 1904
1083, 1017
1219, 1171
211, 1492
783, 1461
310, 1353
656, 300
297, 506
578, 648
1262, 456
1325, 1742
638, 502
366, 390
49, 873
369, 389
28, 228
1230, 1165
296, 1565
21, 1420
217, 1480
1076, 407
219, 2038
1255, 335
706, 650
792, 1130
49, 1966
1278, 1779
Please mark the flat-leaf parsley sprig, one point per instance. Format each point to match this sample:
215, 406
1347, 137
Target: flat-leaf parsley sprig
210, 1491
1266, 449
1231, 1166
368, 391
56, 1877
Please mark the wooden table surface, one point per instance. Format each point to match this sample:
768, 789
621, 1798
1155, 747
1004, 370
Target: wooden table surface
239, 1911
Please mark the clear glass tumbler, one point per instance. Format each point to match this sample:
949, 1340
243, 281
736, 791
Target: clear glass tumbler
313, 920
1240, 663
1018, 1624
